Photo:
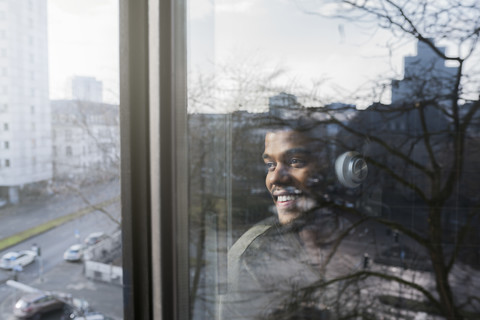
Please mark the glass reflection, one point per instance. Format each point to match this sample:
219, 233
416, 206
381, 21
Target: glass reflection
368, 213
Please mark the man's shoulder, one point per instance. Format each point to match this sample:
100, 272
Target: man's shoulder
256, 231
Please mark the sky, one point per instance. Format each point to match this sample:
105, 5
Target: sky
345, 57
83, 41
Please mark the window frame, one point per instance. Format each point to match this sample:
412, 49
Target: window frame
154, 158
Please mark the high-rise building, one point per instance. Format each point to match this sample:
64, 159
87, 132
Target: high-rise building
87, 89
426, 77
25, 130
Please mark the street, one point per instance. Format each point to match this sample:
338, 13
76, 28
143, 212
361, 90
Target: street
50, 272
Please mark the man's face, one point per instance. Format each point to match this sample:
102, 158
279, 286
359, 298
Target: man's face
292, 177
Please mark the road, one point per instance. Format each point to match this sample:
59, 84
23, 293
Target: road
46, 270
35, 211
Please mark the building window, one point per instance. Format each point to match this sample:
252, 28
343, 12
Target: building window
69, 152
32, 109
7, 163
68, 135
6, 145
5, 126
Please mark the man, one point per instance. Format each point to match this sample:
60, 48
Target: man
280, 268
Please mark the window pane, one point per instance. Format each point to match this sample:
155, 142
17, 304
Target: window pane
59, 84
333, 169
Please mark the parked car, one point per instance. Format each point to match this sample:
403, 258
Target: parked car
13, 259
94, 238
74, 253
34, 304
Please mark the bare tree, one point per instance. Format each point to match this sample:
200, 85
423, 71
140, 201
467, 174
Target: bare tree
421, 154
86, 144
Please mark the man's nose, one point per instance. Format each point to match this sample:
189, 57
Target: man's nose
280, 175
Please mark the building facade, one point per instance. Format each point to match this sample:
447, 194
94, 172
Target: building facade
86, 140
87, 89
426, 77
25, 131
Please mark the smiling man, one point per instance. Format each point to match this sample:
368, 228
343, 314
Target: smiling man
293, 172
272, 267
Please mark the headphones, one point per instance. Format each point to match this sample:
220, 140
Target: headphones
351, 169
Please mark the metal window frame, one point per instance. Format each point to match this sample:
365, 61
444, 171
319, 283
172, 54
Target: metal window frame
154, 158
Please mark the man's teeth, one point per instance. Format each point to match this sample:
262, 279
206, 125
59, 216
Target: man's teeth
287, 197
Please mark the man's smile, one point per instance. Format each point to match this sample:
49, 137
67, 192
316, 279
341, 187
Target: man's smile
288, 197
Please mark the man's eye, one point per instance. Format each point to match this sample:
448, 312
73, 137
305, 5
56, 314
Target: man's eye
270, 166
297, 162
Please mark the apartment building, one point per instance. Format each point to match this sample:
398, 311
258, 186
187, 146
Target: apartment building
25, 131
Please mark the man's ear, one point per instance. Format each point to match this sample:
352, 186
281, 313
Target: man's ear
351, 169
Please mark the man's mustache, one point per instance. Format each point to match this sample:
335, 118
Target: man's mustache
287, 189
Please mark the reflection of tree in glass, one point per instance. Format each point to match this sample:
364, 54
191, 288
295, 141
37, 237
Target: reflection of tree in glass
416, 215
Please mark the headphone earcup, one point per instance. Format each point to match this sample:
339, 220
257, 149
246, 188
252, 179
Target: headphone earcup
351, 169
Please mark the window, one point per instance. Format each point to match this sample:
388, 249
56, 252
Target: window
41, 173
368, 184
68, 135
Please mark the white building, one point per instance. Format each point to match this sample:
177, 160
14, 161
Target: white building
86, 89
25, 132
86, 140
